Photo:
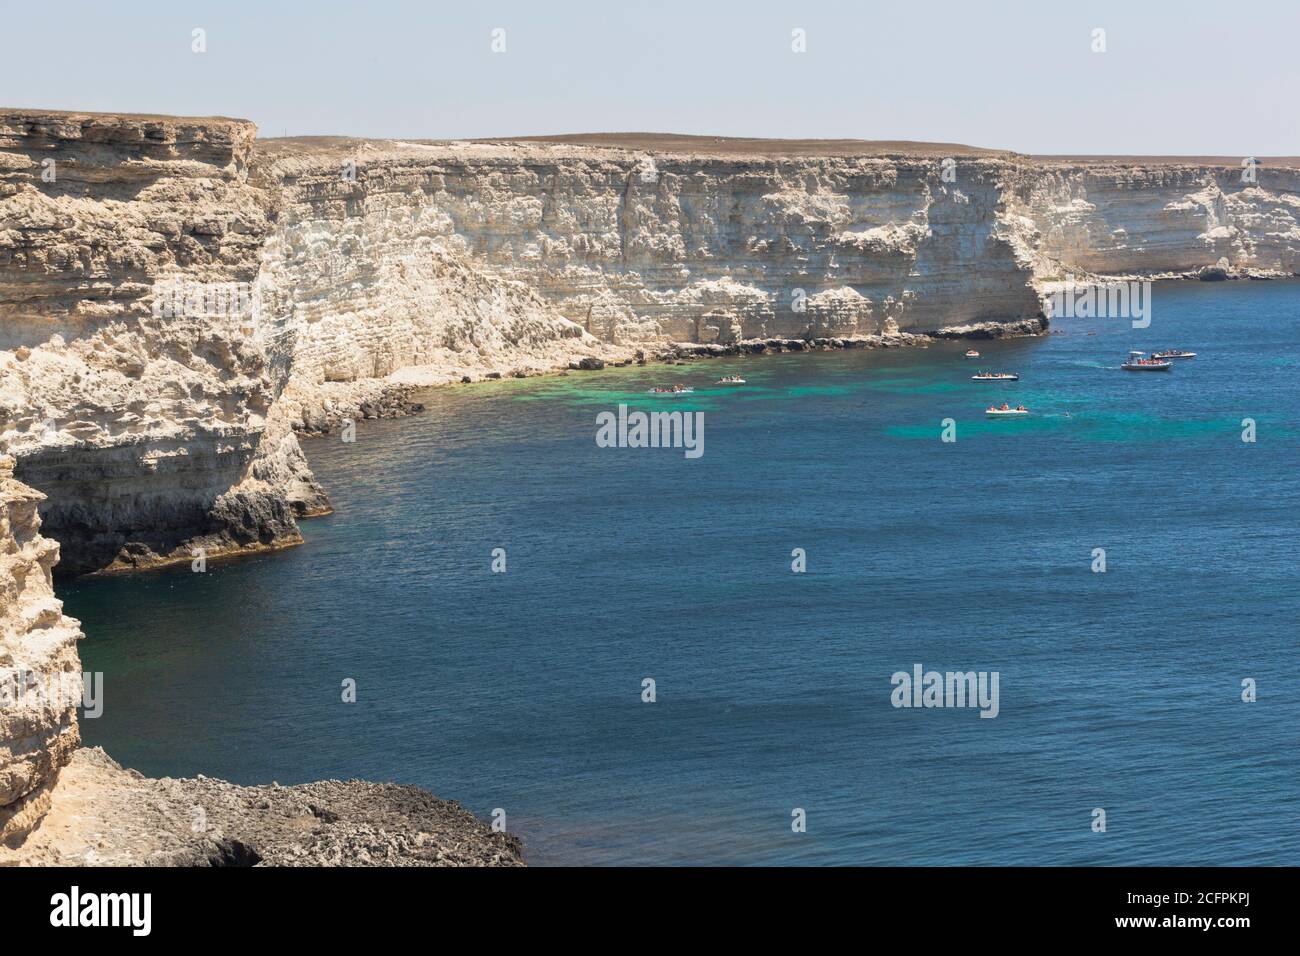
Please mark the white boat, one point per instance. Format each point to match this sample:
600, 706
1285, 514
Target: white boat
972, 354
995, 377
1137, 363
675, 390
734, 380
1005, 412
1173, 354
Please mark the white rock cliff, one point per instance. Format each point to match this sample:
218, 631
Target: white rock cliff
40, 673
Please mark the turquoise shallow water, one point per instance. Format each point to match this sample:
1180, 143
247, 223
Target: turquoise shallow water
523, 690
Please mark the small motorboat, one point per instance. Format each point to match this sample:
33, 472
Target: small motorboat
1005, 410
1173, 354
731, 380
972, 354
675, 390
1138, 362
995, 377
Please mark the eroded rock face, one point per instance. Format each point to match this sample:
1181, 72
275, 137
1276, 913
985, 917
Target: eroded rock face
142, 421
374, 289
40, 673
681, 248
1165, 219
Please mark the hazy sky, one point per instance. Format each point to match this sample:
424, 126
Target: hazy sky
1187, 77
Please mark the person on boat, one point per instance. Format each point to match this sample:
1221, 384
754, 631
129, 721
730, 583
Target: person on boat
1005, 407
1020, 408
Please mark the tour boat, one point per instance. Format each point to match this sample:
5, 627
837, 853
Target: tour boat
1136, 363
1005, 411
1173, 354
995, 377
972, 354
731, 380
675, 390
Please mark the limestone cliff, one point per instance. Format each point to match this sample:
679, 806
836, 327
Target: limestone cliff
40, 674
1165, 218
635, 249
141, 421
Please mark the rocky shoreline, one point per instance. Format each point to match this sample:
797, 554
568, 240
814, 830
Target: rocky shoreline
396, 400
103, 815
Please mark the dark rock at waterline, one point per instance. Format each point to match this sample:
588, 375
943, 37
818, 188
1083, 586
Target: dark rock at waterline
590, 364
158, 529
995, 330
493, 375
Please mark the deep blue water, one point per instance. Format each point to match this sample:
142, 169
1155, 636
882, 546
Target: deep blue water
523, 690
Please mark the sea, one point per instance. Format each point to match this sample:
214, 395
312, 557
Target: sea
631, 656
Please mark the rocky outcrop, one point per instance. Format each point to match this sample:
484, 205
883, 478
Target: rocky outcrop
102, 815
634, 249
1160, 218
40, 673
141, 415
376, 295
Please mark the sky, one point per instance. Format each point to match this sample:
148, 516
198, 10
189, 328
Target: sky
1186, 77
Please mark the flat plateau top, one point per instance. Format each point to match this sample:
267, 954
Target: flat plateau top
110, 119
722, 147
712, 147
749, 146
1167, 160
669, 143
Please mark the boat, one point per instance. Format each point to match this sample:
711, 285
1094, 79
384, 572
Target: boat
675, 390
995, 377
1006, 410
1173, 354
1137, 363
972, 354
731, 380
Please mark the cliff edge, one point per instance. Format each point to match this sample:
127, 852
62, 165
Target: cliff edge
40, 672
